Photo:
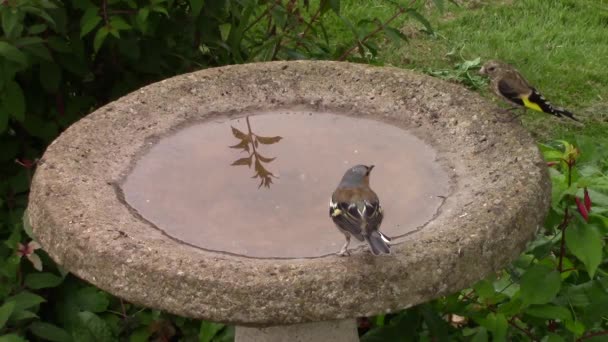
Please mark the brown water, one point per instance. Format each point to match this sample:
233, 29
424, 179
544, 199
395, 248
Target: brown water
187, 187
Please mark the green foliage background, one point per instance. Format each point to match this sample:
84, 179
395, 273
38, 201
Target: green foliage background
61, 60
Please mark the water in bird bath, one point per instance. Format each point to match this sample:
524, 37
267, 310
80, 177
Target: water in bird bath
259, 186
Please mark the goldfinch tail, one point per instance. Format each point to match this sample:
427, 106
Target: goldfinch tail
378, 243
538, 102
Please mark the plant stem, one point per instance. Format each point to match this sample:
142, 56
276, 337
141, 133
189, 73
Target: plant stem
399, 12
564, 224
562, 248
525, 331
104, 11
588, 336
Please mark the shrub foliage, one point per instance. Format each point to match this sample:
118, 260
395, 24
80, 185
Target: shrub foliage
61, 60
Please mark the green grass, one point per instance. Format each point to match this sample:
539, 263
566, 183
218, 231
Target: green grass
560, 46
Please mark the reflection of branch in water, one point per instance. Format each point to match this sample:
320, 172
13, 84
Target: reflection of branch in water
255, 157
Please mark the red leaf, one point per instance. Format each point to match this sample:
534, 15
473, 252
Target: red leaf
268, 140
238, 134
582, 209
587, 200
243, 161
549, 164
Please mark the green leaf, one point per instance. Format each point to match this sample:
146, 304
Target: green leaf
23, 315
140, 335
598, 307
196, 6
549, 311
496, 324
12, 338
13, 101
11, 53
208, 331
92, 299
3, 120
50, 332
435, 322
481, 335
39, 13
91, 328
540, 284
100, 36
25, 300
42, 280
119, 23
142, 18
89, 21
395, 35
36, 29
40, 51
60, 44
584, 241
10, 19
511, 307
50, 76
551, 337
420, 18
6, 310
484, 289
576, 327
25, 41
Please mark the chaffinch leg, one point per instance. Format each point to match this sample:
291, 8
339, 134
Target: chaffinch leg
344, 250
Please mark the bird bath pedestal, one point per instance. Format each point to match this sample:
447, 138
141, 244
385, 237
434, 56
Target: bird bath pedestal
151, 197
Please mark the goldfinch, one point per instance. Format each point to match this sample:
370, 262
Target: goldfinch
509, 84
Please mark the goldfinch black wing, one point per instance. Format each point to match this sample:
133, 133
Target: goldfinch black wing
517, 91
538, 102
510, 91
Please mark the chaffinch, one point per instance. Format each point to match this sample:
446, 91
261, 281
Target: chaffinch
355, 209
510, 85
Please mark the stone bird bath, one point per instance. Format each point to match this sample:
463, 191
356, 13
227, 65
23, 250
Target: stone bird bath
152, 199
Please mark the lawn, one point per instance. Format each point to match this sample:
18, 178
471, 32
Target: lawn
560, 46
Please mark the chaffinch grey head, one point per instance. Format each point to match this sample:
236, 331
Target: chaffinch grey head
355, 209
507, 83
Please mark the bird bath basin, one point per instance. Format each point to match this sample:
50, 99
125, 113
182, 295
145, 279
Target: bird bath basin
152, 197
282, 213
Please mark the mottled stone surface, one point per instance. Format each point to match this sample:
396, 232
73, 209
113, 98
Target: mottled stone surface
329, 331
499, 196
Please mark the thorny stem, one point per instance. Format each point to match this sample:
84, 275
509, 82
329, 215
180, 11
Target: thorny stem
312, 21
588, 336
399, 12
511, 320
528, 333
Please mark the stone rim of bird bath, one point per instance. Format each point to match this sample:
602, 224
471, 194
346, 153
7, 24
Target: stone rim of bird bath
500, 193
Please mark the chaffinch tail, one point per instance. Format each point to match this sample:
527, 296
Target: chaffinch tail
355, 209
510, 85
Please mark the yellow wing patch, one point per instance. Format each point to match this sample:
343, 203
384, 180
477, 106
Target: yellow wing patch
336, 212
530, 104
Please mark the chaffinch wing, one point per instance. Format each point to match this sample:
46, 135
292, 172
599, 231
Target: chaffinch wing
355, 209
